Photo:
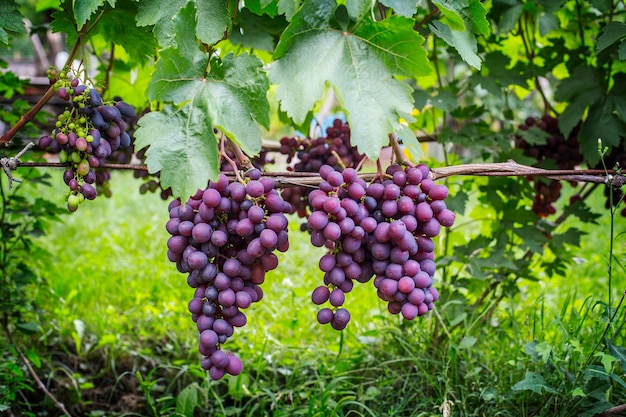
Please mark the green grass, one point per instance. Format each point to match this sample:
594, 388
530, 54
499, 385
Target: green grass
116, 300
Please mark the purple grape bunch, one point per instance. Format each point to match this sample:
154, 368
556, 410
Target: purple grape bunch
85, 135
334, 149
225, 237
382, 230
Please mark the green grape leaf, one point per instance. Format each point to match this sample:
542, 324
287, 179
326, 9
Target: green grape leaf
548, 22
550, 6
450, 17
11, 20
118, 25
182, 148
611, 33
232, 93
397, 44
358, 8
622, 51
464, 42
472, 12
506, 13
260, 8
83, 9
62, 22
582, 80
475, 15
213, 19
257, 31
406, 8
288, 7
603, 6
410, 142
160, 14
360, 65
601, 122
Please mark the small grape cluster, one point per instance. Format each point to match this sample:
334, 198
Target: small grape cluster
564, 152
382, 230
224, 237
85, 135
334, 150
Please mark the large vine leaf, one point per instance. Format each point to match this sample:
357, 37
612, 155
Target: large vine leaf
212, 19
612, 33
83, 9
359, 64
11, 20
115, 24
118, 25
228, 93
584, 91
181, 147
232, 94
397, 44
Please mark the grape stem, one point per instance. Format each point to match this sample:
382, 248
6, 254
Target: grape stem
395, 145
240, 156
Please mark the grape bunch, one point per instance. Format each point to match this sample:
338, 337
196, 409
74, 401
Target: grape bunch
224, 237
334, 150
85, 135
562, 152
382, 230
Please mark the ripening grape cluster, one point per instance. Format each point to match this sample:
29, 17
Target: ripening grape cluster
334, 149
564, 152
225, 237
381, 230
85, 135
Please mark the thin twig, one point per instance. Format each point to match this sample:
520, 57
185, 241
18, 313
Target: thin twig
426, 19
32, 372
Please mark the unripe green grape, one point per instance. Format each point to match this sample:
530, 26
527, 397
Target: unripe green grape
71, 126
89, 138
62, 156
81, 197
73, 200
75, 156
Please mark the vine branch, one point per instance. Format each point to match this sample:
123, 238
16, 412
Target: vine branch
496, 169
